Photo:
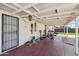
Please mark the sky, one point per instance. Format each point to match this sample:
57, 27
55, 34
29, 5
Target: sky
72, 23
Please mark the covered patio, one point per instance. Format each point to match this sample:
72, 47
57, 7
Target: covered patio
21, 23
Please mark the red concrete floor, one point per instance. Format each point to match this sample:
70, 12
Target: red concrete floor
45, 47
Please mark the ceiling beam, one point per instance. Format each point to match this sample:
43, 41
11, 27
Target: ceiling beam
60, 17
27, 12
36, 8
59, 14
22, 8
48, 23
10, 6
56, 7
51, 24
48, 9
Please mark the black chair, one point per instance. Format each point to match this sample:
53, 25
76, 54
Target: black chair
29, 43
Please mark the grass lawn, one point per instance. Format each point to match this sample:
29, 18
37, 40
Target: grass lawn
69, 33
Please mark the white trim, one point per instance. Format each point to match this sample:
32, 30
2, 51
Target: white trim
36, 8
9, 6
59, 14
76, 37
0, 32
9, 50
23, 8
64, 29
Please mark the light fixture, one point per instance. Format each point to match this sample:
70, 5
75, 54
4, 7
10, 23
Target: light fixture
30, 17
56, 11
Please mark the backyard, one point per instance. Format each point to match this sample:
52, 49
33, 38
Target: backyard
69, 33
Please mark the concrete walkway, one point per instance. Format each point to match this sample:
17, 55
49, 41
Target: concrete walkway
69, 50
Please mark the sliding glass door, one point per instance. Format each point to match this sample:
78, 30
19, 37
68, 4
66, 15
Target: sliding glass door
10, 32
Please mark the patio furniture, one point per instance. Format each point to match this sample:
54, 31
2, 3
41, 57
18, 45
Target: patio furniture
29, 43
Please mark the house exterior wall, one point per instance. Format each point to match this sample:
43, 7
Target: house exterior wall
24, 30
0, 32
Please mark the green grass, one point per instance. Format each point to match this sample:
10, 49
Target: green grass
69, 33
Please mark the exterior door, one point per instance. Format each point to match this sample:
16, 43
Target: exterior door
10, 32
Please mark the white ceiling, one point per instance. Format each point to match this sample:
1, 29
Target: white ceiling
43, 12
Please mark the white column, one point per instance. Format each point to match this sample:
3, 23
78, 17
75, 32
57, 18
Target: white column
76, 37
0, 33
64, 30
67, 31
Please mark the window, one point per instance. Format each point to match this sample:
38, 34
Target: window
45, 30
31, 28
35, 27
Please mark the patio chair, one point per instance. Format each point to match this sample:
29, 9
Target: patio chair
29, 43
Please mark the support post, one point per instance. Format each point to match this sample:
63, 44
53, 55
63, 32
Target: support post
64, 30
67, 31
45, 30
76, 38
